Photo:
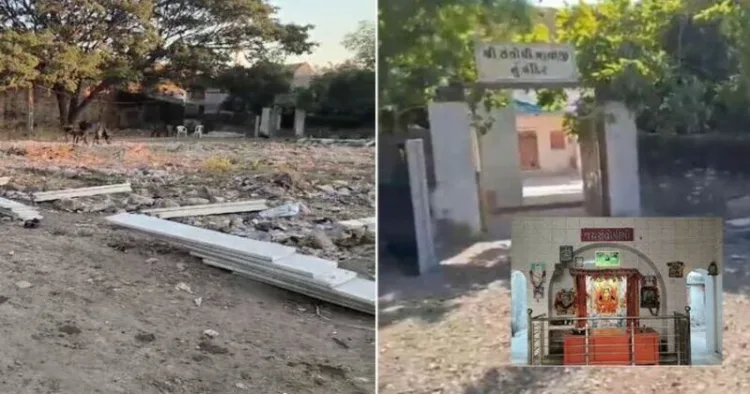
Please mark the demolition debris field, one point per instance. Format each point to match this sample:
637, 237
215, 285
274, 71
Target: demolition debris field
91, 308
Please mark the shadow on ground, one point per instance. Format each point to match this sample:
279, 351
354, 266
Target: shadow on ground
429, 297
509, 380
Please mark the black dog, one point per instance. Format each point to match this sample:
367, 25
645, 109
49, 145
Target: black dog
85, 129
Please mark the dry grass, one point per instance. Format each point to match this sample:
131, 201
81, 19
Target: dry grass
216, 164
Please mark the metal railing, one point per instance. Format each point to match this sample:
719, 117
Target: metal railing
643, 340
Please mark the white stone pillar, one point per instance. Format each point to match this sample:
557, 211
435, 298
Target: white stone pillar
420, 202
299, 122
277, 120
265, 122
500, 175
455, 198
621, 141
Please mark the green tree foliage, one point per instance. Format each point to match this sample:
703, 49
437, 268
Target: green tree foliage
679, 64
362, 43
342, 97
426, 44
255, 87
100, 44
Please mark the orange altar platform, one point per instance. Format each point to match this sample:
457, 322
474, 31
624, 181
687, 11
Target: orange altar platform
611, 346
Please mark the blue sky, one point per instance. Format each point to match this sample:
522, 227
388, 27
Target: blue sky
333, 19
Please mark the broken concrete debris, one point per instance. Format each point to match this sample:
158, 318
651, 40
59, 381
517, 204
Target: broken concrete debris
369, 223
30, 216
281, 211
266, 262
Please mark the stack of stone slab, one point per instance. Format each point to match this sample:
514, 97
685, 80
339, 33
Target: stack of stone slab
267, 262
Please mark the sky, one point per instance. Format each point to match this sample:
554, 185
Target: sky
333, 19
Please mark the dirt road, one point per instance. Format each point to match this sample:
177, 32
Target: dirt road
91, 309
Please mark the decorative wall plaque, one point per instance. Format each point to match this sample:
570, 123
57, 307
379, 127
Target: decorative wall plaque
676, 269
566, 254
579, 262
625, 234
648, 281
565, 302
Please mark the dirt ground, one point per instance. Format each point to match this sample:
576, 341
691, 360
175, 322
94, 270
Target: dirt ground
88, 308
449, 332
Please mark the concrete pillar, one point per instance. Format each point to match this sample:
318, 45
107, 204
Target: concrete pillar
265, 122
256, 128
276, 120
500, 175
621, 141
455, 198
420, 201
299, 123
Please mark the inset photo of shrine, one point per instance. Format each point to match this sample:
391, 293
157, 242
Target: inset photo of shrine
616, 291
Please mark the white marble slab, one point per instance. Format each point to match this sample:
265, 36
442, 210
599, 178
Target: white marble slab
257, 249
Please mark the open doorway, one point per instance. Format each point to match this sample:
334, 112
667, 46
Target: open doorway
519, 318
704, 322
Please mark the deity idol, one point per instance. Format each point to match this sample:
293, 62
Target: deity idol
606, 302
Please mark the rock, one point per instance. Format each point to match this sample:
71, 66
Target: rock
23, 284
69, 205
344, 191
285, 180
166, 203
328, 189
198, 301
181, 266
208, 193
184, 287
71, 172
210, 333
264, 226
196, 201
139, 200
282, 211
145, 337
152, 260
320, 240
241, 386
236, 222
105, 205
219, 224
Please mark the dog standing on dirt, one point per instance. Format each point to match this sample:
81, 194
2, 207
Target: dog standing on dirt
165, 130
85, 129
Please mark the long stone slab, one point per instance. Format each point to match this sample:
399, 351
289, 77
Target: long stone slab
330, 295
330, 277
18, 210
81, 192
305, 265
264, 251
208, 209
359, 288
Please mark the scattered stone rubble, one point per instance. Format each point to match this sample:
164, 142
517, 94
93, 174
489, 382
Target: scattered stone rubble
303, 214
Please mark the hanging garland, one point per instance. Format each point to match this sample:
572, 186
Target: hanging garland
606, 273
537, 282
